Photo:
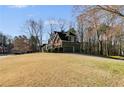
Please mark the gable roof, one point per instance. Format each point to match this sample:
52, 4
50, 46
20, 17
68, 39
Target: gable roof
62, 35
70, 33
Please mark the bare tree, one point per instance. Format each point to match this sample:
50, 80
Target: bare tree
62, 24
115, 9
101, 28
21, 44
35, 30
52, 22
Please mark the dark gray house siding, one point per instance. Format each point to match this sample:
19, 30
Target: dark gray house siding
63, 42
70, 46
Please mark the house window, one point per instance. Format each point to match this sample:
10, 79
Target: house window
69, 38
72, 39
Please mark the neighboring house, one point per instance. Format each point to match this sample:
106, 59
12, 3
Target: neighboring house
21, 45
3, 49
64, 42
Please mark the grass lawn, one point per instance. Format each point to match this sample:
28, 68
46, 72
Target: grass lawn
117, 57
49, 69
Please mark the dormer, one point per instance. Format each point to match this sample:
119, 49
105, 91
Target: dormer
71, 34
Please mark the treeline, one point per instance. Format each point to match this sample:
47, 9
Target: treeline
17, 45
5, 44
32, 40
101, 29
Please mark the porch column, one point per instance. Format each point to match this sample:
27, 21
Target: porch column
73, 49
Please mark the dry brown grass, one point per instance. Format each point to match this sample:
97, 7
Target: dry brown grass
49, 69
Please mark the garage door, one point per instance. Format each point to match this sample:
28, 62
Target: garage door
68, 49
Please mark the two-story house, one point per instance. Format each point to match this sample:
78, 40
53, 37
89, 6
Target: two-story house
64, 41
